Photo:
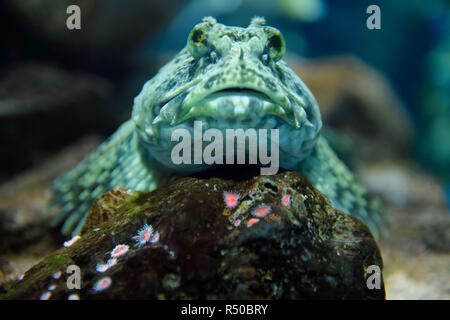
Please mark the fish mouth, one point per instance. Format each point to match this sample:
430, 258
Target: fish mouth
244, 92
232, 103
238, 103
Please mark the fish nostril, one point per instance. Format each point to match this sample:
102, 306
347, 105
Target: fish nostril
213, 56
241, 56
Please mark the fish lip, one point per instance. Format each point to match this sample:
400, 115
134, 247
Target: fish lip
286, 113
240, 90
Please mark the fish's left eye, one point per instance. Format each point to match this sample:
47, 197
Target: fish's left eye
275, 42
198, 35
197, 41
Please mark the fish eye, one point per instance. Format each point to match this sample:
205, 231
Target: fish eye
197, 41
275, 43
198, 35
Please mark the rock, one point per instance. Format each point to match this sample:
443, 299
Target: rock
271, 237
402, 183
417, 253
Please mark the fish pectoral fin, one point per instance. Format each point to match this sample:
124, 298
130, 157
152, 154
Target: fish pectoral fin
101, 171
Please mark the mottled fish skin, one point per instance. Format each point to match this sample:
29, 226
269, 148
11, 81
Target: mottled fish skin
229, 78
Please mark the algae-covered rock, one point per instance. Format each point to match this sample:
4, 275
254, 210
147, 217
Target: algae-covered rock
270, 237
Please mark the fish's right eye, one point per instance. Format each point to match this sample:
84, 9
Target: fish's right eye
275, 43
198, 35
197, 41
